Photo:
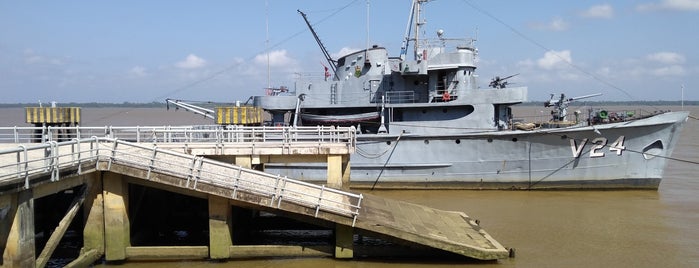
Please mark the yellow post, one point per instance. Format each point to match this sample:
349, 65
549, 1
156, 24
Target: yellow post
220, 227
93, 208
335, 171
116, 219
344, 242
243, 161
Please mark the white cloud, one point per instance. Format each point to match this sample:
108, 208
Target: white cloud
604, 11
344, 52
191, 62
679, 5
31, 57
138, 71
666, 58
556, 24
277, 58
555, 59
673, 70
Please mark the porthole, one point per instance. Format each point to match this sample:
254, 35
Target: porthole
444, 110
458, 141
427, 141
490, 139
388, 143
514, 139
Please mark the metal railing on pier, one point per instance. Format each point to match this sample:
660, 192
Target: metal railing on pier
182, 134
22, 164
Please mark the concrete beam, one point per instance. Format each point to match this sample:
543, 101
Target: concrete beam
220, 227
167, 253
116, 219
264, 251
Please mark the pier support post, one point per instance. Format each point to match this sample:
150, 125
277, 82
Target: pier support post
116, 220
93, 208
344, 242
220, 219
243, 161
17, 229
338, 171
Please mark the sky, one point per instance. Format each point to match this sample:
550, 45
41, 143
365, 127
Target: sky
145, 51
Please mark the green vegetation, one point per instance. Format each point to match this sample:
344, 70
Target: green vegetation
211, 104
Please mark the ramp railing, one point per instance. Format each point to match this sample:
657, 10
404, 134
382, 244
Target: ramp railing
22, 164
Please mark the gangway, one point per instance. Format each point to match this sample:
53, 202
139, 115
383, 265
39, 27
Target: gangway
27, 167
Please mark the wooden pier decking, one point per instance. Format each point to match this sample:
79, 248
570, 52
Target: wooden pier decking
26, 171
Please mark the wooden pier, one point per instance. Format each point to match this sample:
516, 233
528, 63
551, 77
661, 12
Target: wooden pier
102, 170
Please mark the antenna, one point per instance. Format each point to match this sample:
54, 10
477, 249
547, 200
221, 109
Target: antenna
367, 26
267, 41
682, 96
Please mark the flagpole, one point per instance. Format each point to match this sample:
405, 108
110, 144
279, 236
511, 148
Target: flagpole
682, 96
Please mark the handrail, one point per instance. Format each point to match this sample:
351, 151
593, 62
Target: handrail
182, 134
24, 162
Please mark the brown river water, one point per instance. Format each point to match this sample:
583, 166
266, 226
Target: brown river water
546, 228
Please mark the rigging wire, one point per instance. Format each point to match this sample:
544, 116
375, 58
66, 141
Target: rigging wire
387, 159
235, 65
546, 49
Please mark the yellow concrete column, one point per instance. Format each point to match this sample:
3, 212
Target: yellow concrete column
116, 219
93, 208
344, 242
335, 171
243, 161
345, 172
17, 229
220, 219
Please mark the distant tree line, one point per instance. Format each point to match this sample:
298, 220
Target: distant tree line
88, 104
210, 104
620, 103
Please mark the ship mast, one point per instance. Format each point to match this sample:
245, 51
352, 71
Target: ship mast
413, 22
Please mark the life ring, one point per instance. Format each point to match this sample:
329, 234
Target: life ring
446, 96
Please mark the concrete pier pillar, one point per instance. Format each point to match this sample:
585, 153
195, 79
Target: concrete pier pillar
344, 242
116, 220
17, 229
220, 223
93, 208
338, 171
243, 161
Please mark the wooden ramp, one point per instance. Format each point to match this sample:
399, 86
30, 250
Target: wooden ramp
391, 220
450, 231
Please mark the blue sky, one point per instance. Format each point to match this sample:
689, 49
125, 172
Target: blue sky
143, 51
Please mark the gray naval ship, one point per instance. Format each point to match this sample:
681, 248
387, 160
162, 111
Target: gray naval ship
425, 123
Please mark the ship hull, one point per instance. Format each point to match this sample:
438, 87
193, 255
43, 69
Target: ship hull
623, 155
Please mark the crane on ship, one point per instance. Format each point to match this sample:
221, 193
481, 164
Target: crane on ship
331, 62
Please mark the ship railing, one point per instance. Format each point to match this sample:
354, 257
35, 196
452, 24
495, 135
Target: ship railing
183, 134
25, 165
589, 116
447, 43
396, 97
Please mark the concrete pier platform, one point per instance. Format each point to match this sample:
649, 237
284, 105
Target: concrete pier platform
116, 164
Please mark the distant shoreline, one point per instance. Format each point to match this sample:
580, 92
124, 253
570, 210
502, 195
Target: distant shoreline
163, 105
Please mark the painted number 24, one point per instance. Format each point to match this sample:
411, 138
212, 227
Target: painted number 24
598, 144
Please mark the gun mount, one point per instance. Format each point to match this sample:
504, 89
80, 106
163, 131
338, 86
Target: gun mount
560, 106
